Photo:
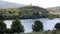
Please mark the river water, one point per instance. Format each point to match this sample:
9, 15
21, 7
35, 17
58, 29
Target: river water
27, 23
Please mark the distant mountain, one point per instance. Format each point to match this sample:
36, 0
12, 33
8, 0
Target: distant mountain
5, 4
54, 8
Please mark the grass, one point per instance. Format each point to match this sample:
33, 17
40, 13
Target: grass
42, 32
46, 32
14, 33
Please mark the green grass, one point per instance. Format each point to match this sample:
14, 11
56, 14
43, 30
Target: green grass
14, 33
46, 32
36, 33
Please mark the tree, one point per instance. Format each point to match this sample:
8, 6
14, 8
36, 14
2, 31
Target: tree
17, 26
51, 16
3, 27
57, 26
1, 16
38, 26
9, 31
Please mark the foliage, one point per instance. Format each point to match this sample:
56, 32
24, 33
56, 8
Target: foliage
24, 12
2, 27
57, 26
51, 16
9, 31
17, 26
38, 26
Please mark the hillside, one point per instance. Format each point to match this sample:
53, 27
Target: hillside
26, 12
54, 8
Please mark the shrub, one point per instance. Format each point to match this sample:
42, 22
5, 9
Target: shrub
16, 26
38, 26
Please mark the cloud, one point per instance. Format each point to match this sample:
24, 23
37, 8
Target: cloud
1, 0
41, 3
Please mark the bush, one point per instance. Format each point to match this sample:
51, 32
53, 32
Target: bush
57, 26
3, 27
38, 26
16, 26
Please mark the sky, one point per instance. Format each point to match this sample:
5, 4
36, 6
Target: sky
40, 3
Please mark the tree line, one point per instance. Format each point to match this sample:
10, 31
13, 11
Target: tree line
17, 27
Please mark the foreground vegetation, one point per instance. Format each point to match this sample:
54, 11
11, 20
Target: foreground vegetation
18, 28
46, 32
28, 12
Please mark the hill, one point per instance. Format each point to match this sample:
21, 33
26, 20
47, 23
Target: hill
26, 12
54, 8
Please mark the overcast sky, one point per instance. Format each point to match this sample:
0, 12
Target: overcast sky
41, 3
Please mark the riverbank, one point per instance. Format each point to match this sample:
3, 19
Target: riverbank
33, 18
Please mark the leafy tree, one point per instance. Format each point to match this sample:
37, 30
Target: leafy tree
17, 26
3, 27
51, 16
1, 16
57, 26
9, 31
38, 26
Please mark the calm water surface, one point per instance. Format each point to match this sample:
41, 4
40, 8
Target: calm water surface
48, 23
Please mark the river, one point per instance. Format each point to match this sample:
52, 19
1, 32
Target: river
27, 23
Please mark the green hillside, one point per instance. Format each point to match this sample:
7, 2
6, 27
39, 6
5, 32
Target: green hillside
26, 12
